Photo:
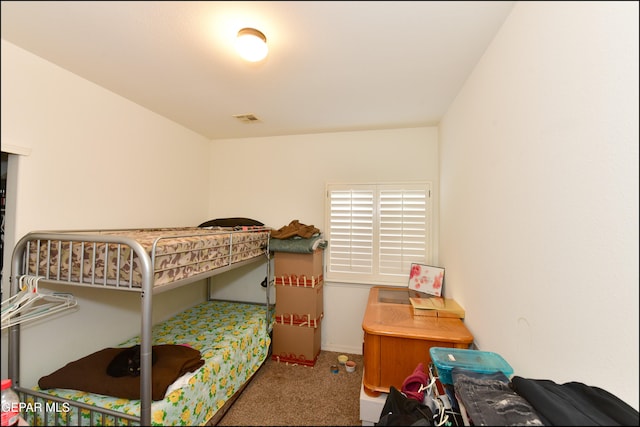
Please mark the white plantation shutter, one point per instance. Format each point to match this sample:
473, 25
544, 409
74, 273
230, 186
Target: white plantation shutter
403, 229
375, 231
351, 230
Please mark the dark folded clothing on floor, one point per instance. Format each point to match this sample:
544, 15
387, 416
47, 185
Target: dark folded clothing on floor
575, 404
489, 400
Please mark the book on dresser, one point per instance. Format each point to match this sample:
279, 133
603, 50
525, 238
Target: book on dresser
436, 307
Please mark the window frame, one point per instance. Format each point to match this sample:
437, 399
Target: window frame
375, 276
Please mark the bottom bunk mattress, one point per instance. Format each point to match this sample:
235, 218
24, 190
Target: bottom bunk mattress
233, 340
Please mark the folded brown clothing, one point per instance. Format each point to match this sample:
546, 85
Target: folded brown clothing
295, 228
90, 372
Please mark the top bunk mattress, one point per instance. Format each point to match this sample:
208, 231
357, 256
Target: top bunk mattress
106, 257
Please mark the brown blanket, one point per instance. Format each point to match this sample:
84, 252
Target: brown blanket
295, 228
90, 373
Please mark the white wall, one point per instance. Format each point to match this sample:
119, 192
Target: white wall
96, 161
285, 179
76, 132
539, 194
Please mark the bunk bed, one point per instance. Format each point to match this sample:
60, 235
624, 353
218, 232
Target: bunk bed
233, 338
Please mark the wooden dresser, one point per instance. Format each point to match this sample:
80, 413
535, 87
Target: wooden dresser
395, 341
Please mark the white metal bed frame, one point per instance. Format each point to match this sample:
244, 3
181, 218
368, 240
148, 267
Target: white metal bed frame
147, 290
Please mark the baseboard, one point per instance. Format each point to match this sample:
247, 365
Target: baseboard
342, 348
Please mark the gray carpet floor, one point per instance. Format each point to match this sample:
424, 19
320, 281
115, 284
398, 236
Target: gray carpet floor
286, 394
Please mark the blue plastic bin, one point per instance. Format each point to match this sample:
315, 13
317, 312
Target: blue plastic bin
445, 359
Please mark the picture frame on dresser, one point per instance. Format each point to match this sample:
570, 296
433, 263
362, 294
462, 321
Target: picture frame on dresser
427, 279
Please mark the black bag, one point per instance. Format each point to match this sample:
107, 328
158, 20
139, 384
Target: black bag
399, 410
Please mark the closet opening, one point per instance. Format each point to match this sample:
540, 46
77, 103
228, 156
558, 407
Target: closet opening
3, 194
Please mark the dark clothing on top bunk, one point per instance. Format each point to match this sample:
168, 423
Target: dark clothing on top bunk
575, 404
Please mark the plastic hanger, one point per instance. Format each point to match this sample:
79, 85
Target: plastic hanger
31, 303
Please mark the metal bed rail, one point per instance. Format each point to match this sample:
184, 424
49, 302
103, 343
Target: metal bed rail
54, 243
42, 409
146, 260
18, 266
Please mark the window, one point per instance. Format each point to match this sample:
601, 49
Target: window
375, 231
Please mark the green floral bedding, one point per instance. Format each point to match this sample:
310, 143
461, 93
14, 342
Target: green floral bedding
233, 340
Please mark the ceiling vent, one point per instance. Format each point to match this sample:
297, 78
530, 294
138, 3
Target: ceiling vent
247, 118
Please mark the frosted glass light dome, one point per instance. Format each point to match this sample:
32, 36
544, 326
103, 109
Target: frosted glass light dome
251, 44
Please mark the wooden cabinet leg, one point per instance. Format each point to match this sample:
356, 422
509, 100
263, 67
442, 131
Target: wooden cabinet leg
371, 393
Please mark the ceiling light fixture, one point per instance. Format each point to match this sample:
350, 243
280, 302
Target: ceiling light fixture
251, 44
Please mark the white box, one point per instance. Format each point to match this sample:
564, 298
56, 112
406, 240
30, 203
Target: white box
371, 407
